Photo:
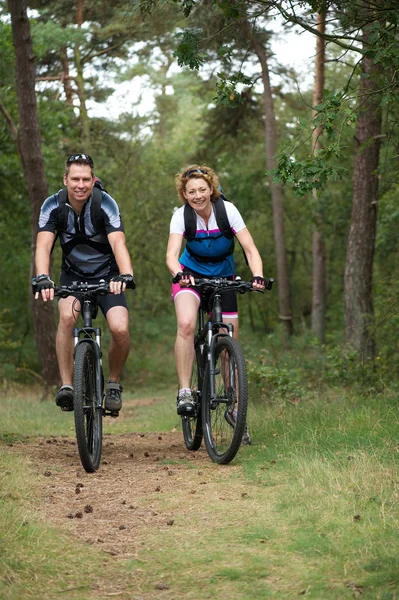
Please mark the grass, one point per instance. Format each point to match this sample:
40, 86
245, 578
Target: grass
310, 509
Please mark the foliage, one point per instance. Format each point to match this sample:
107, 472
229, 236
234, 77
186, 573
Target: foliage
226, 88
137, 155
187, 52
314, 171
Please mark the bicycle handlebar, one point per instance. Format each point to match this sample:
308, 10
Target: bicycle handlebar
82, 287
63, 291
238, 284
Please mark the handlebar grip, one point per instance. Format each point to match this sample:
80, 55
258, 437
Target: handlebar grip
270, 283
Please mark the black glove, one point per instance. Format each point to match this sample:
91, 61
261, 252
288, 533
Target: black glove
41, 282
126, 278
259, 280
180, 275
177, 277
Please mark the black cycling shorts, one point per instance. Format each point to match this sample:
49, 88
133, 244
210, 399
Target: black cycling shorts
106, 301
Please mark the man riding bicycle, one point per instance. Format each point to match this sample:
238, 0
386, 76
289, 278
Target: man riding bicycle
90, 228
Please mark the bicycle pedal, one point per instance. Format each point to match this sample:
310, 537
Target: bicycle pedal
114, 414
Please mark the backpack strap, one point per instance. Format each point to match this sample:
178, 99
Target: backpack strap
222, 218
96, 215
190, 222
63, 212
62, 218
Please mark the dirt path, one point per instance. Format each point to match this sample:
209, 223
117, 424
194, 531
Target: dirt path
111, 506
146, 484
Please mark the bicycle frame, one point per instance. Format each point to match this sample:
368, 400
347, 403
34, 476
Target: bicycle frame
209, 333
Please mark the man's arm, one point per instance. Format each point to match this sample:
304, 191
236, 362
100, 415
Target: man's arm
44, 244
117, 242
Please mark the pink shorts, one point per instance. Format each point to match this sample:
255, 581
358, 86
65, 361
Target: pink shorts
229, 299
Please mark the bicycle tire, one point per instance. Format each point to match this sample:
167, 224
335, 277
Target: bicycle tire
223, 433
88, 416
192, 426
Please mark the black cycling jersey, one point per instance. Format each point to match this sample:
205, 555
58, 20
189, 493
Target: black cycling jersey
85, 250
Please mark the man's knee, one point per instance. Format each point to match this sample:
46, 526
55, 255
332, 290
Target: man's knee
66, 323
120, 335
118, 324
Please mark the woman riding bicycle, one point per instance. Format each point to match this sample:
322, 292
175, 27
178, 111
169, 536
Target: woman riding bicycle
208, 253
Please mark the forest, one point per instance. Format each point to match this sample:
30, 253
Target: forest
312, 168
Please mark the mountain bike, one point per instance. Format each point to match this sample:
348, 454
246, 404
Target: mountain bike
219, 379
88, 378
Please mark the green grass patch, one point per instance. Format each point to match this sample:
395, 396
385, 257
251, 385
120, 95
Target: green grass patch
310, 509
25, 416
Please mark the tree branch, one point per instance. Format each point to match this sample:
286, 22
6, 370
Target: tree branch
13, 127
90, 56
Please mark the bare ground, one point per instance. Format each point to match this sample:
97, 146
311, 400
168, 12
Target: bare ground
146, 483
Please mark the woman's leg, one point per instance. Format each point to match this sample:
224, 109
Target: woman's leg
186, 306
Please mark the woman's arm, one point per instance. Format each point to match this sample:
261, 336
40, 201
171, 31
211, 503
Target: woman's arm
173, 252
251, 251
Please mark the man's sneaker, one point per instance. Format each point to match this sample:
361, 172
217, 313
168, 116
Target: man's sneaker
246, 438
113, 396
64, 397
185, 404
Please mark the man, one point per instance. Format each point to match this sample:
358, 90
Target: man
94, 248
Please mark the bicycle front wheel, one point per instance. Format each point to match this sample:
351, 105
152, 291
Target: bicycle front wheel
224, 415
192, 425
88, 415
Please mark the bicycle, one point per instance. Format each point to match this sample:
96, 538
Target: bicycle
219, 380
88, 378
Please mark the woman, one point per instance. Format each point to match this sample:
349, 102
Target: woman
208, 254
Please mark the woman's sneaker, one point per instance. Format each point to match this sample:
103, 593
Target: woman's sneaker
185, 404
64, 397
113, 396
231, 419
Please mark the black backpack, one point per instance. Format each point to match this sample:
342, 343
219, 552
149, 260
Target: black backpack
190, 226
96, 217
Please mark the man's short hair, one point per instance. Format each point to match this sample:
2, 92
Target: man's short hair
79, 159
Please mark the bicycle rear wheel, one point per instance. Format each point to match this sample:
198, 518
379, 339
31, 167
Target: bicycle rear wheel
224, 416
192, 425
88, 415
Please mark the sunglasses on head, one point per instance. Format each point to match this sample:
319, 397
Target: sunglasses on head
191, 171
80, 158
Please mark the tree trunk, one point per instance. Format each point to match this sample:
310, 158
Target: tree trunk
359, 312
80, 84
283, 284
33, 166
318, 245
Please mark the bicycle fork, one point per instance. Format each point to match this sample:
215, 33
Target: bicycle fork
92, 335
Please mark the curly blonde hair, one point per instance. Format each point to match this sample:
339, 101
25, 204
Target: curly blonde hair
197, 172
